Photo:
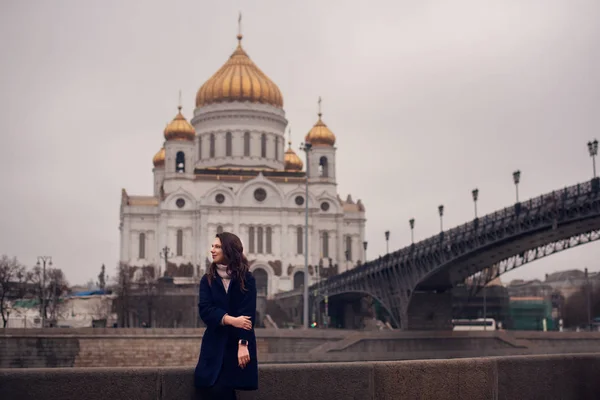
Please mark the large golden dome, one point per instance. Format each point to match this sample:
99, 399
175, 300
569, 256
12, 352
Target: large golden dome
239, 79
320, 135
291, 161
159, 158
179, 128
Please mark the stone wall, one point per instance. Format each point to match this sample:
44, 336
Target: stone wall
107, 347
562, 377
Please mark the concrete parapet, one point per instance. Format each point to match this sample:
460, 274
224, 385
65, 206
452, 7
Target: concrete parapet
573, 376
37, 348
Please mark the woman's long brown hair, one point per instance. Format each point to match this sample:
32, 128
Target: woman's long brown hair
236, 261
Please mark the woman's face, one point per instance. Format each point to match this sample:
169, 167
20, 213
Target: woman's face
217, 252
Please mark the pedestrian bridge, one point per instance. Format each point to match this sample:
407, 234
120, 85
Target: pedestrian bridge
413, 283
521, 377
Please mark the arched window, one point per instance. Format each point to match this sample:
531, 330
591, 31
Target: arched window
180, 162
277, 148
247, 144
348, 248
212, 145
251, 240
325, 250
179, 242
299, 241
269, 240
298, 279
142, 246
262, 281
323, 167
259, 240
199, 147
228, 144
263, 145
219, 229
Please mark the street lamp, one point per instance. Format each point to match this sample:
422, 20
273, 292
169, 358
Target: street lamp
306, 148
165, 254
516, 180
588, 299
475, 194
412, 230
441, 211
365, 247
593, 149
43, 260
387, 242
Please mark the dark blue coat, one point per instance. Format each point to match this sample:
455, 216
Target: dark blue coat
219, 349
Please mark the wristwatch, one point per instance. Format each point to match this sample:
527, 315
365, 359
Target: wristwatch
243, 342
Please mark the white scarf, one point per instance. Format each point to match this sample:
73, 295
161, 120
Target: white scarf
222, 271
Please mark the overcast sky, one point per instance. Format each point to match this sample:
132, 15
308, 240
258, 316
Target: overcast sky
428, 100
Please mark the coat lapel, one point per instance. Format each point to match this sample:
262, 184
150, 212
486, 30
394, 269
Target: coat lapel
224, 294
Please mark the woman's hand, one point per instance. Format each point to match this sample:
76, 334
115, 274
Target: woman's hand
243, 356
242, 322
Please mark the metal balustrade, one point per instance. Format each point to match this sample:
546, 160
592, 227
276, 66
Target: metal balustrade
477, 251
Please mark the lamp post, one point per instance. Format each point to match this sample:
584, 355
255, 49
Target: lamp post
441, 211
593, 149
588, 299
387, 242
44, 260
306, 148
365, 247
475, 194
412, 230
516, 180
165, 254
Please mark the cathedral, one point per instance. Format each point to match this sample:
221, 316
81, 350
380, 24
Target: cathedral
228, 169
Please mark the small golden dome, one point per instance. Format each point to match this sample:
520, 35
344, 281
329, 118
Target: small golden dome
179, 128
159, 158
320, 135
239, 79
291, 161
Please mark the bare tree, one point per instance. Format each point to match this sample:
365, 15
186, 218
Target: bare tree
58, 287
102, 278
580, 305
51, 293
123, 289
12, 279
148, 293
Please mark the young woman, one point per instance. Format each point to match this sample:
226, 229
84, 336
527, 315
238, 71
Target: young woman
227, 306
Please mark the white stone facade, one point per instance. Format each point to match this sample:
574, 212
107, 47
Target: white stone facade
233, 178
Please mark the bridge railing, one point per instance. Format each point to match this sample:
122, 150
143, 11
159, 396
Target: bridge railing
555, 200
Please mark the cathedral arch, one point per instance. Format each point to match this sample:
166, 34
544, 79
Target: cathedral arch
325, 244
142, 246
212, 146
274, 195
323, 167
299, 240
334, 205
298, 279
247, 144
226, 197
228, 144
180, 162
179, 246
290, 198
263, 145
171, 201
261, 276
